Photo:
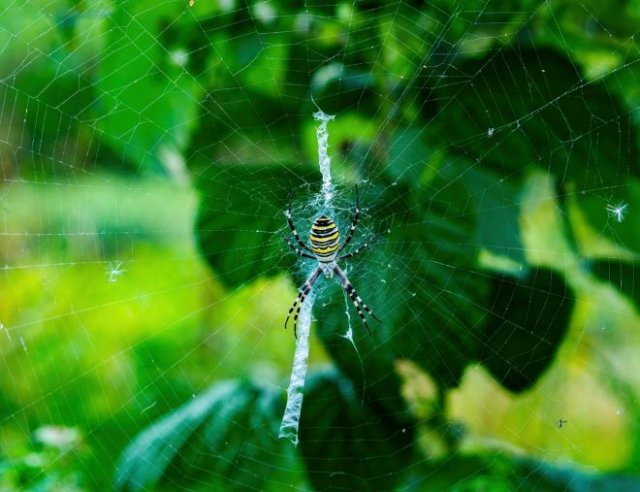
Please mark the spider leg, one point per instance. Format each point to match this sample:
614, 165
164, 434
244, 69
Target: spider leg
354, 252
302, 295
293, 228
297, 250
355, 298
354, 224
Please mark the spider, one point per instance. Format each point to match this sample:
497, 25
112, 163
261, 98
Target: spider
325, 248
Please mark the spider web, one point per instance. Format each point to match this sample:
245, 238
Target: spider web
148, 151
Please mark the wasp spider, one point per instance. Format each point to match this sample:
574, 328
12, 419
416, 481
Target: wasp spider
325, 248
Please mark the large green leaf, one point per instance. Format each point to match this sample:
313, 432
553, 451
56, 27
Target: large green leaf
345, 445
257, 59
241, 216
47, 81
440, 309
421, 275
527, 319
229, 431
148, 103
530, 107
419, 278
408, 155
492, 199
422, 280
497, 208
577, 131
438, 316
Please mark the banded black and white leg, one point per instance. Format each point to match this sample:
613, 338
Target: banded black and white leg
297, 250
354, 224
354, 252
294, 231
302, 295
355, 298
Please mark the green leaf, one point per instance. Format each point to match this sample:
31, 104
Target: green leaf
497, 207
408, 155
241, 216
421, 278
527, 319
438, 325
228, 431
580, 133
495, 199
73, 98
449, 312
51, 90
149, 104
524, 108
258, 60
347, 445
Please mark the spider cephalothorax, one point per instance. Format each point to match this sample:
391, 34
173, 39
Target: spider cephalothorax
325, 247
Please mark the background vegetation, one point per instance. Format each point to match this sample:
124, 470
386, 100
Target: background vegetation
147, 151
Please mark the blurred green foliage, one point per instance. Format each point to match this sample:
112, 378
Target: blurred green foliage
450, 112
51, 464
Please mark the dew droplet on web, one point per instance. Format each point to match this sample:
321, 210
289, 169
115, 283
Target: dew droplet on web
114, 271
617, 211
490, 132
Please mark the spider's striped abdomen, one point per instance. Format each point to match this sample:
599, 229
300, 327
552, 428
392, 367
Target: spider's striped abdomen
325, 239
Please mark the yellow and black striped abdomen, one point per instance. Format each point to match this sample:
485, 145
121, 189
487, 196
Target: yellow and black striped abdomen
325, 239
